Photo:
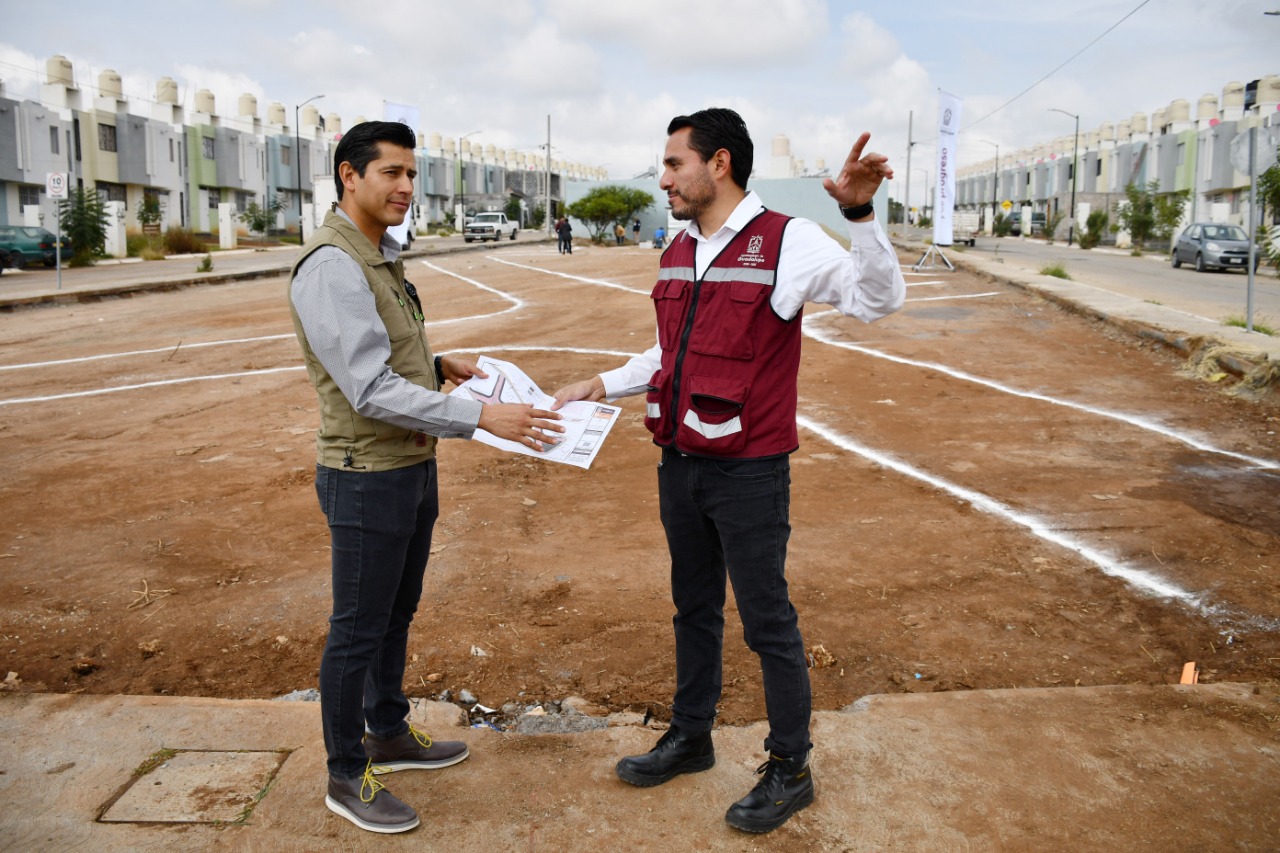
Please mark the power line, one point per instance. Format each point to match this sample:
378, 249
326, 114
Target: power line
1059, 68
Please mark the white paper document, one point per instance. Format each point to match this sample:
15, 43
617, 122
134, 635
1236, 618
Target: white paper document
585, 424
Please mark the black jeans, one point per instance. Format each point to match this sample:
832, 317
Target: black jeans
731, 517
380, 530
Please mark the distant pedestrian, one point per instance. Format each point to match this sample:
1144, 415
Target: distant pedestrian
619, 233
635, 230
659, 237
565, 231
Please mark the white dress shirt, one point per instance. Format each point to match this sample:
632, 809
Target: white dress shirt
865, 282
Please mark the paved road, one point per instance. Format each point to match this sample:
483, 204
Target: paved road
1214, 296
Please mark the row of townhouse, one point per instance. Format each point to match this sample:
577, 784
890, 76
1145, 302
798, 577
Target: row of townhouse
192, 161
1172, 149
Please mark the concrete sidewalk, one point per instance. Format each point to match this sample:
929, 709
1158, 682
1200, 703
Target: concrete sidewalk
1101, 768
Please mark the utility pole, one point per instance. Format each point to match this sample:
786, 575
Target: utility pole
547, 166
906, 197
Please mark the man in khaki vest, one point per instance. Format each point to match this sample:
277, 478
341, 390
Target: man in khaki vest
360, 325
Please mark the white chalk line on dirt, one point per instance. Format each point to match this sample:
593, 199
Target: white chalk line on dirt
1131, 420
1141, 579
1136, 577
954, 296
596, 281
174, 348
156, 384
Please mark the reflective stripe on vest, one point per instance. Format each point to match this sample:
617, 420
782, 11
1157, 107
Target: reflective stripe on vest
711, 431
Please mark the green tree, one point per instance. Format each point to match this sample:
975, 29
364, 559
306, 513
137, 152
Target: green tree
604, 206
1137, 214
1269, 189
260, 219
1168, 210
512, 209
84, 219
150, 212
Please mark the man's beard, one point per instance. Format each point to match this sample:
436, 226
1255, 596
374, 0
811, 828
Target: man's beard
697, 198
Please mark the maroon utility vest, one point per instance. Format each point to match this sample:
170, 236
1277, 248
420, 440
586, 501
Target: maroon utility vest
727, 384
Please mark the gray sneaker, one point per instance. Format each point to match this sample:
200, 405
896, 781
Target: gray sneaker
368, 804
412, 750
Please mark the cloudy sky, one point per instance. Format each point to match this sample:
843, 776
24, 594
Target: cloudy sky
611, 74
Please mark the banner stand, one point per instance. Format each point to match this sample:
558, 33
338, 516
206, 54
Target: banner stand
929, 253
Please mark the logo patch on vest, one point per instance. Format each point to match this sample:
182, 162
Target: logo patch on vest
752, 256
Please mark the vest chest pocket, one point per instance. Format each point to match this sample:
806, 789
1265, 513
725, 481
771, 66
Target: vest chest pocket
671, 304
726, 316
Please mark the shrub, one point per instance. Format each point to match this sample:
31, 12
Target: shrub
1094, 227
206, 264
1055, 270
1051, 224
1002, 225
182, 241
135, 244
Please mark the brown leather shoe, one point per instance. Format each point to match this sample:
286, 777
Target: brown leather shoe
412, 750
368, 804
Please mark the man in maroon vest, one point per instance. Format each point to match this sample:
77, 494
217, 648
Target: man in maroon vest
721, 403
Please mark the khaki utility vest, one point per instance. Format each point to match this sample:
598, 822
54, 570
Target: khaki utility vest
346, 439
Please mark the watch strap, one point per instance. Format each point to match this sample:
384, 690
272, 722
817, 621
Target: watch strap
860, 212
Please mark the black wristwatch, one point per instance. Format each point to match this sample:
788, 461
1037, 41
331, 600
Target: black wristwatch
440, 369
860, 212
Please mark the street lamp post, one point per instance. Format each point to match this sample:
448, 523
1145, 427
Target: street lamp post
297, 155
1075, 147
462, 186
995, 184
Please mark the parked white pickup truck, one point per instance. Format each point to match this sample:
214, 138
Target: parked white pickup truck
489, 226
964, 227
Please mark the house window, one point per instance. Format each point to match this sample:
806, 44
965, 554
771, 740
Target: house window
242, 202
215, 198
111, 191
107, 137
171, 149
53, 140
207, 141
28, 195
286, 155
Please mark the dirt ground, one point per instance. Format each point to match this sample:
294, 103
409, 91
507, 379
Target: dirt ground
948, 535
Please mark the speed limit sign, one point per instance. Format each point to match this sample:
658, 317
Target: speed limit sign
56, 184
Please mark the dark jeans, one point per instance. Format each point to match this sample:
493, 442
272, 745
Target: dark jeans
730, 517
380, 531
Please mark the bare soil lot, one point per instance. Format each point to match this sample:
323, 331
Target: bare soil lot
163, 536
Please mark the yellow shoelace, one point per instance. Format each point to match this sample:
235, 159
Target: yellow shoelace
371, 782
423, 739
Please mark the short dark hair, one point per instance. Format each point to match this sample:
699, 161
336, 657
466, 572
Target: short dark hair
359, 145
715, 128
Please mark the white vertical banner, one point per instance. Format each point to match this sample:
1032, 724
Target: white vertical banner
944, 203
402, 113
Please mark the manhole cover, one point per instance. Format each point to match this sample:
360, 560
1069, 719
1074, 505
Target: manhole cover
195, 787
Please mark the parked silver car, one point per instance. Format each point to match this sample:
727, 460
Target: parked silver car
1212, 245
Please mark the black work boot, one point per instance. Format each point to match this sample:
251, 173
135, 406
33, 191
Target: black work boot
786, 788
676, 752
368, 804
413, 750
